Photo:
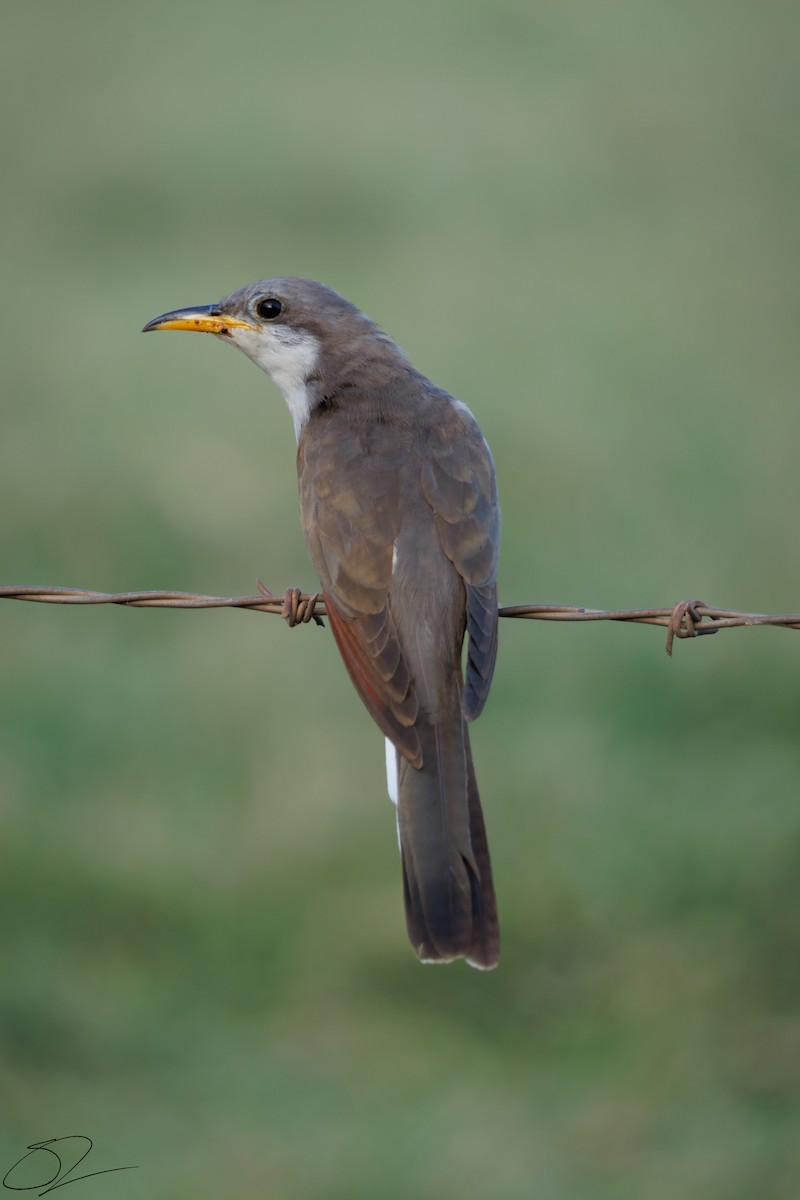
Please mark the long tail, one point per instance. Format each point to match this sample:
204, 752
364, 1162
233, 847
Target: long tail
447, 876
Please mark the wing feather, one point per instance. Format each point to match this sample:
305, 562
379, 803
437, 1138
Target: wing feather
351, 512
352, 487
458, 482
381, 680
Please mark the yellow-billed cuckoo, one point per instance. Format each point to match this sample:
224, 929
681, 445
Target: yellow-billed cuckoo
399, 510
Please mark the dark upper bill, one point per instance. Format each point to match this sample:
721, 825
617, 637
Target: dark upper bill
206, 318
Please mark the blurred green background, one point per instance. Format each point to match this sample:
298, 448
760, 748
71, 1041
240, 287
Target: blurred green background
582, 220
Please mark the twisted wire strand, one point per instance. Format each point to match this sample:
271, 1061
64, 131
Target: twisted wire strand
686, 619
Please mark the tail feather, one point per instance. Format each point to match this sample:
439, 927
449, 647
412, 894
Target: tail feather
484, 951
447, 877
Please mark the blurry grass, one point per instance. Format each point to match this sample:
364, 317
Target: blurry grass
582, 220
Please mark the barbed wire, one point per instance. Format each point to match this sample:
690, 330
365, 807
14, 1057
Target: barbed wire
686, 619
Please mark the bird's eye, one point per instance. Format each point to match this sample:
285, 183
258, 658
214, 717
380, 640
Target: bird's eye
269, 309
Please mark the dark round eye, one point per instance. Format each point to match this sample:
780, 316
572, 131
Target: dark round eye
269, 309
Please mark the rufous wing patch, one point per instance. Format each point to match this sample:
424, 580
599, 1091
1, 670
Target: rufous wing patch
370, 651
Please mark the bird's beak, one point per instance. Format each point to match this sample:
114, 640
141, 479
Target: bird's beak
206, 318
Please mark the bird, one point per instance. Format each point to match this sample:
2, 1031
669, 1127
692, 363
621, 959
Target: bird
400, 514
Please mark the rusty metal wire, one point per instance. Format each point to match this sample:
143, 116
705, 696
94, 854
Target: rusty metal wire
686, 619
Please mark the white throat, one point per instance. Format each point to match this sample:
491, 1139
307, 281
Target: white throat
288, 356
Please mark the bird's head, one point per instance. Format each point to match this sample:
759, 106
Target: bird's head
297, 330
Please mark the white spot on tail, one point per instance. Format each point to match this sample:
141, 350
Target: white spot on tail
392, 782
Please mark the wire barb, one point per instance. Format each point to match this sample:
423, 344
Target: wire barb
296, 609
686, 619
685, 622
